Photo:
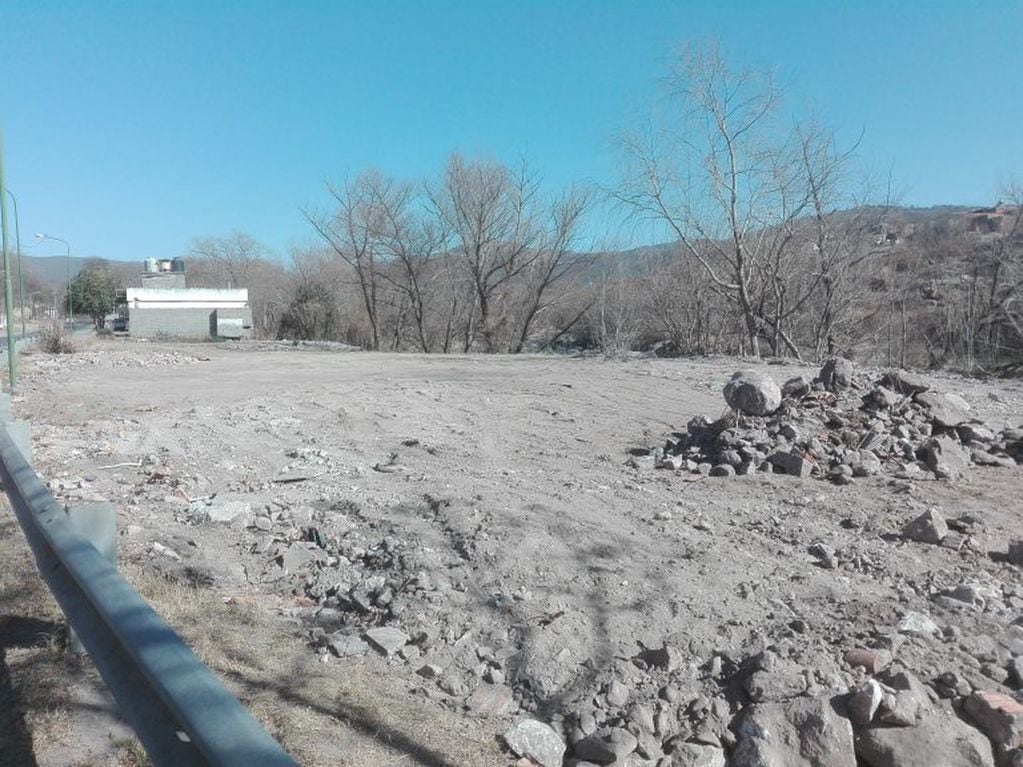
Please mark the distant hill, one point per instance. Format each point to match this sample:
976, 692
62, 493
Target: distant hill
49, 269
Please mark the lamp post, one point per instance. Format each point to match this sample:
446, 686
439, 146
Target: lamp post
17, 241
70, 308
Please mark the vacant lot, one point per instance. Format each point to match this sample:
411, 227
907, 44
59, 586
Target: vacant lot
487, 507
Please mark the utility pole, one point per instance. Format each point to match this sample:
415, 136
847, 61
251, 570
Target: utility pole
8, 293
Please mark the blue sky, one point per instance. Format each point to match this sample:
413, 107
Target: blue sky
132, 127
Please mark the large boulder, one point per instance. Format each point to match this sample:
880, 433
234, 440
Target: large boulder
944, 409
752, 393
939, 738
805, 732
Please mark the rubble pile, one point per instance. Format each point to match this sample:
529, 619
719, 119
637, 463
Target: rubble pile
839, 426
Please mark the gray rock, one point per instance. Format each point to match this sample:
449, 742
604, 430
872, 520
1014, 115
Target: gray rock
806, 732
836, 374
387, 639
752, 393
929, 527
617, 694
942, 409
781, 681
346, 645
904, 383
940, 738
535, 740
917, 624
296, 557
1015, 553
945, 457
864, 702
795, 388
606, 745
490, 700
1000, 717
697, 755
866, 464
722, 470
975, 432
228, 511
908, 702
790, 463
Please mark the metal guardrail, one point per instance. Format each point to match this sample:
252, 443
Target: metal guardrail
182, 714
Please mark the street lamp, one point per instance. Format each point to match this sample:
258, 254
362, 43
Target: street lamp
70, 312
17, 239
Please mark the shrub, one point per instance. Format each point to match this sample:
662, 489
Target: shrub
54, 339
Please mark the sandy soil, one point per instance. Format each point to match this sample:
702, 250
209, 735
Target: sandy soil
513, 476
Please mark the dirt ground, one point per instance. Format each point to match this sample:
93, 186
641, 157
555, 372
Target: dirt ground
508, 480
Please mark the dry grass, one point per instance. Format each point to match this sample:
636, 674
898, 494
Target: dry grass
327, 714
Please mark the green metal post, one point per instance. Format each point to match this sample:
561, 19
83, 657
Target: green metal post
17, 244
8, 293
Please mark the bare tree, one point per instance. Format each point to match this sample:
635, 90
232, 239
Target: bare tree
242, 262
724, 176
357, 233
554, 262
491, 215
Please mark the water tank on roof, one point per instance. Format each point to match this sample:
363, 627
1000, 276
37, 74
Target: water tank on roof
178, 265
151, 267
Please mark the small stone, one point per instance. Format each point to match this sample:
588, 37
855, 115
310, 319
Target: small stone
297, 557
722, 470
537, 741
790, 463
806, 732
617, 694
387, 639
429, 671
917, 624
697, 755
864, 702
490, 700
606, 745
346, 645
929, 527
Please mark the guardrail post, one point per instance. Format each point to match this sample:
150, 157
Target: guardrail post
96, 522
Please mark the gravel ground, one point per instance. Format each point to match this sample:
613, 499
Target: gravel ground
529, 564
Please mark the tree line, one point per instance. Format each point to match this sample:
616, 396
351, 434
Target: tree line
777, 243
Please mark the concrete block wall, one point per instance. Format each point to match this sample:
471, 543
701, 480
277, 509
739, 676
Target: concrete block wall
183, 323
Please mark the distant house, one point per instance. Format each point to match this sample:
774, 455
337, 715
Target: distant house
165, 306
